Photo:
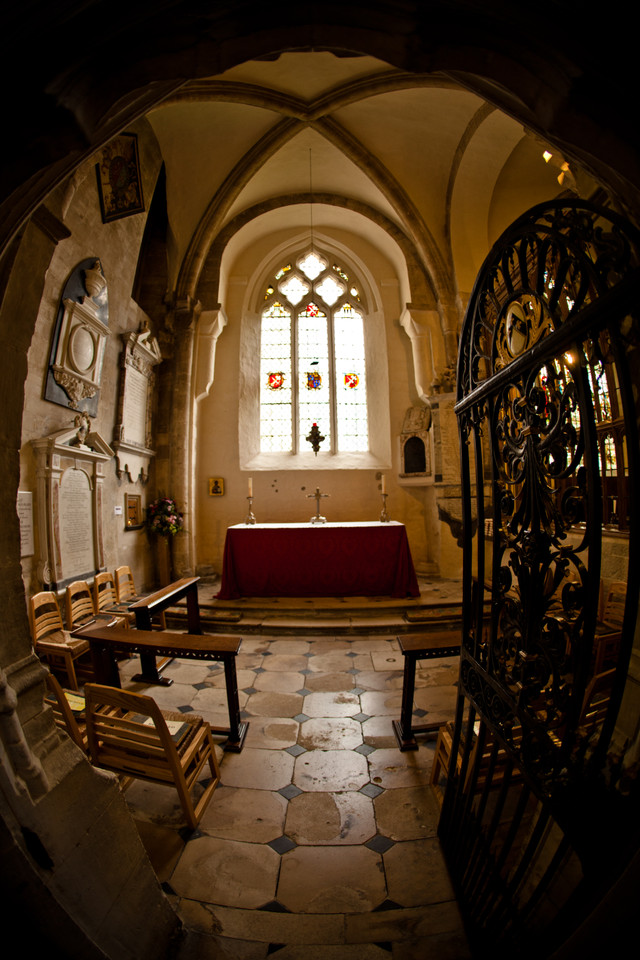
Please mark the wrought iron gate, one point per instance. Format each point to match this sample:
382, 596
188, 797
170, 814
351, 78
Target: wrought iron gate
538, 817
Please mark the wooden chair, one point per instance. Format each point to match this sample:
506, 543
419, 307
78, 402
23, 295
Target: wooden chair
68, 712
130, 735
126, 593
53, 643
79, 604
105, 598
606, 643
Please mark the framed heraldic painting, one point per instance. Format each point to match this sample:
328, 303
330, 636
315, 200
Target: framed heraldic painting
119, 184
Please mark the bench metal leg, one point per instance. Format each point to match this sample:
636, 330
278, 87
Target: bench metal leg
237, 729
404, 730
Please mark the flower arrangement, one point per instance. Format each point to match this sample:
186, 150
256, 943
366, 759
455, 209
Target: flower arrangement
164, 518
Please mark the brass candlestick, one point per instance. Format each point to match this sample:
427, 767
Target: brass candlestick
250, 518
384, 516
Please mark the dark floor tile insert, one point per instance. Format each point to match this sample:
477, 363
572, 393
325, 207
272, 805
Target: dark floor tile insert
282, 844
370, 790
274, 906
387, 905
290, 791
380, 844
295, 750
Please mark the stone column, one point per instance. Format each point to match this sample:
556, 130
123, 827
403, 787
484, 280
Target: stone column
181, 432
423, 327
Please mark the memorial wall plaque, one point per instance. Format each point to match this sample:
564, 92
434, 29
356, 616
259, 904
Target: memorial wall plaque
77, 542
80, 335
133, 432
70, 476
24, 507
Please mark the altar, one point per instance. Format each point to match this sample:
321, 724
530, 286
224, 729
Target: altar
317, 560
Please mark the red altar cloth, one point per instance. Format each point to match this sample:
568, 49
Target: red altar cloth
317, 560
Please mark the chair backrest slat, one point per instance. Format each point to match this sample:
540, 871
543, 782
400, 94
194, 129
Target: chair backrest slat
79, 603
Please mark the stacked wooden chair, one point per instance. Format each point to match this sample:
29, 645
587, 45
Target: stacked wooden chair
54, 644
79, 604
68, 708
105, 598
130, 735
127, 594
608, 635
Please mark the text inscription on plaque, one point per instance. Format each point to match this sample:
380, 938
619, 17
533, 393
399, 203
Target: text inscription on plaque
76, 524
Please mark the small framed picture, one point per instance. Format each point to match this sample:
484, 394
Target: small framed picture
119, 184
216, 486
132, 511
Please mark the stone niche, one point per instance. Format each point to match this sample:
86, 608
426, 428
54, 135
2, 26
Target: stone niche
70, 470
133, 430
415, 448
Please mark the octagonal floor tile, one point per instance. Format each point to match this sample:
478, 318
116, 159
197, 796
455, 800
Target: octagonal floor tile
331, 880
328, 770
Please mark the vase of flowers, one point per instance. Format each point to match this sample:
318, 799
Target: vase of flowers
165, 520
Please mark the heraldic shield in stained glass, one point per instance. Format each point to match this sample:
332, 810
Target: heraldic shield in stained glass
275, 380
314, 380
351, 380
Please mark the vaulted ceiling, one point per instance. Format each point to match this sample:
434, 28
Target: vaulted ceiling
387, 154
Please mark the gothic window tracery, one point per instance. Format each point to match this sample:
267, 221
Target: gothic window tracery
312, 358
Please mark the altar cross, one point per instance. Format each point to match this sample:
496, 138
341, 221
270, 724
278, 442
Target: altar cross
317, 496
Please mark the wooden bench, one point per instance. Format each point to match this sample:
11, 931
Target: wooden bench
105, 641
153, 605
414, 647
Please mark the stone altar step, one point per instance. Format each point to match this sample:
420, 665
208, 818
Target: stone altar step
337, 616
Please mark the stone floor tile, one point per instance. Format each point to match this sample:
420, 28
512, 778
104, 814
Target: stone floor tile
164, 846
330, 818
269, 926
412, 924
266, 703
344, 879
335, 662
387, 660
367, 951
185, 671
257, 769
272, 733
378, 732
407, 813
202, 946
330, 645
284, 663
248, 661
339, 704
330, 733
328, 770
289, 646
237, 813
377, 680
279, 682
379, 703
329, 682
227, 872
390, 768
416, 873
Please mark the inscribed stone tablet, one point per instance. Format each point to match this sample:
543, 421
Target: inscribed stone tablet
135, 406
76, 524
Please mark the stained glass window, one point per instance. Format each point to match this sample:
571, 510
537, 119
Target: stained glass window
275, 380
313, 359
